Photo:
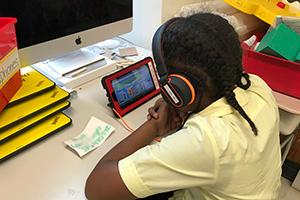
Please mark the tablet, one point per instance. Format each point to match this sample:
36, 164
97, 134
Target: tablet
132, 86
33, 84
21, 127
13, 115
34, 135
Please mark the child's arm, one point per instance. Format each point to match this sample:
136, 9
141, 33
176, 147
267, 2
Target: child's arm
105, 181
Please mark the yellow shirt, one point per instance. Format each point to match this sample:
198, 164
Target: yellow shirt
215, 155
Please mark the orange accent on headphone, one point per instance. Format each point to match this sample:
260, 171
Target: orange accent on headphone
188, 83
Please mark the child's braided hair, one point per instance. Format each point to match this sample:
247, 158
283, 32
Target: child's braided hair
208, 42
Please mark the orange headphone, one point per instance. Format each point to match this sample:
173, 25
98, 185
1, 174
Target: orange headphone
177, 89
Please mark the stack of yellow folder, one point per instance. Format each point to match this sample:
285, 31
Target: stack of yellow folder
32, 114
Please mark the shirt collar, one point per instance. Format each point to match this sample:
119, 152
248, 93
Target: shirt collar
221, 107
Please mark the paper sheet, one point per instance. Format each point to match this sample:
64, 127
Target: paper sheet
94, 134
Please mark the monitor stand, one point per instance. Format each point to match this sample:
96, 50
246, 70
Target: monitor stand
73, 61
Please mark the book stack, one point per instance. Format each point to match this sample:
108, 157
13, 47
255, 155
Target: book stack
32, 114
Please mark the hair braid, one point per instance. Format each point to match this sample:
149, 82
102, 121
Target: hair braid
226, 86
246, 85
235, 70
230, 97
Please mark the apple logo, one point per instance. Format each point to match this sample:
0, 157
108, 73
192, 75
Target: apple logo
78, 40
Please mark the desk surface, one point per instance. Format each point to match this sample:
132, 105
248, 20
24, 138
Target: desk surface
287, 103
49, 170
289, 112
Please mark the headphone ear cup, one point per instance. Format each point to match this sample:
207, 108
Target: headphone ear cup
182, 91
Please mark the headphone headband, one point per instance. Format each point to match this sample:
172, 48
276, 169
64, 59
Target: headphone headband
178, 89
157, 50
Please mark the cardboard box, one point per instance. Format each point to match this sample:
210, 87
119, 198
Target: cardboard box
10, 77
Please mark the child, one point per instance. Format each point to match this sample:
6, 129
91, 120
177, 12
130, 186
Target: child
228, 147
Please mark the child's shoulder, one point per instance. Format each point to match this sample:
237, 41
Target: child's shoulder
261, 88
257, 82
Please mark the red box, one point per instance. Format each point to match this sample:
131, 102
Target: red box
10, 77
281, 75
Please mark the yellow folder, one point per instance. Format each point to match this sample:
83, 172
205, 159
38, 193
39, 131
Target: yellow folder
33, 83
32, 121
21, 111
33, 135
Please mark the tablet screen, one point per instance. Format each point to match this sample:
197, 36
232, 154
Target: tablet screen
132, 86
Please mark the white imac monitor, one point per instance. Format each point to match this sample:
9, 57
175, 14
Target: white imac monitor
50, 28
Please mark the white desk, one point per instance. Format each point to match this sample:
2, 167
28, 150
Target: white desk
50, 171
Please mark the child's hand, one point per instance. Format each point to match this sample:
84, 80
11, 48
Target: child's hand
152, 111
166, 117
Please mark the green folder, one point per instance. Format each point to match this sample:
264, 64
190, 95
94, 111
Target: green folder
32, 121
33, 84
34, 135
15, 114
282, 42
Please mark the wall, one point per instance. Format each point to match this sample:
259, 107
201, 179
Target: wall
149, 15
170, 7
146, 17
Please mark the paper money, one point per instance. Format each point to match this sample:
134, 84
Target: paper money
95, 133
